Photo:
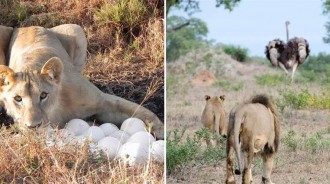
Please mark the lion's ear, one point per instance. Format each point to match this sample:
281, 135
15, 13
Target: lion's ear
52, 70
223, 97
7, 77
5, 35
207, 97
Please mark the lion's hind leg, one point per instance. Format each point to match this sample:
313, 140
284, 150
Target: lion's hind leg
268, 162
73, 39
248, 159
230, 160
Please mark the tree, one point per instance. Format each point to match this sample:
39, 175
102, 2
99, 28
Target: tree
326, 11
192, 6
188, 38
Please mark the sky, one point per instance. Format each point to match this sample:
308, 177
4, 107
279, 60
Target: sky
253, 23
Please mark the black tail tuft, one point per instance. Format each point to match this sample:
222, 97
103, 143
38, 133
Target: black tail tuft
262, 99
237, 172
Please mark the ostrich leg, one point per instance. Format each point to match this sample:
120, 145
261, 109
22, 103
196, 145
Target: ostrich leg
294, 68
283, 67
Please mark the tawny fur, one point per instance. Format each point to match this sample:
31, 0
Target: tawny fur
253, 129
50, 61
214, 116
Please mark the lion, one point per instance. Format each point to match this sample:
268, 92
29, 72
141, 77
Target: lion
214, 116
253, 128
41, 82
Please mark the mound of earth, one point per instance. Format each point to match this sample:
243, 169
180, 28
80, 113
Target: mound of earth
204, 78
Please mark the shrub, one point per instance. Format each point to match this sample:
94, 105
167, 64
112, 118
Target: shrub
236, 52
180, 152
304, 99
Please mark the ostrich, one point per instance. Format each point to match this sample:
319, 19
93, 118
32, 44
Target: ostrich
289, 55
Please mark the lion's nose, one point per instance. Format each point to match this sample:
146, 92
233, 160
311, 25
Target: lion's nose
224, 136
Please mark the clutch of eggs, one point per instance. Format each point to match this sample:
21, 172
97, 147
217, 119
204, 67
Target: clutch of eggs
132, 143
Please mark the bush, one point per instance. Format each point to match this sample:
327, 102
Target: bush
236, 52
304, 99
317, 68
180, 152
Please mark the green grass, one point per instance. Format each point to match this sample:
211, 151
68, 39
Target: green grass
229, 85
270, 80
312, 143
290, 140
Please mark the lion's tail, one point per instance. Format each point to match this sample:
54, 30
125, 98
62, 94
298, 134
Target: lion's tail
264, 100
237, 126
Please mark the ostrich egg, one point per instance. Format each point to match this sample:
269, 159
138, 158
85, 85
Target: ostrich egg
134, 153
77, 126
110, 146
142, 137
94, 133
133, 125
157, 151
108, 128
121, 136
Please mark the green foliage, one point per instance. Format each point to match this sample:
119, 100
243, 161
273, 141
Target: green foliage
236, 52
180, 152
229, 85
290, 140
304, 99
130, 12
212, 154
192, 6
316, 68
186, 39
326, 11
208, 60
270, 80
171, 82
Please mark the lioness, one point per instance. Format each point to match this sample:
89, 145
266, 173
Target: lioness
214, 116
42, 83
253, 128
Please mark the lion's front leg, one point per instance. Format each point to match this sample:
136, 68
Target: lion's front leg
115, 110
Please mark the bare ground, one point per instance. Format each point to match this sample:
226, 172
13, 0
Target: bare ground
185, 103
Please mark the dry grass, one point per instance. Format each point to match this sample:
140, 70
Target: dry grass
124, 58
25, 158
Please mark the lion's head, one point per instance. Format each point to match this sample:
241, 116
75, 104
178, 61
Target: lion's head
29, 96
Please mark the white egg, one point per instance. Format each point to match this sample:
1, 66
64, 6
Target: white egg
142, 137
63, 137
134, 153
157, 151
110, 146
108, 128
94, 133
120, 135
77, 126
133, 125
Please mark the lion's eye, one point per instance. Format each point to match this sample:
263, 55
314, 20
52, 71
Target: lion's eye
18, 98
43, 95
